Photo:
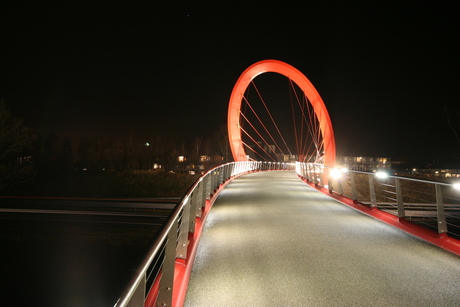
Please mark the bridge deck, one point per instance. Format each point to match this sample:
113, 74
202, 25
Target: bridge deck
271, 240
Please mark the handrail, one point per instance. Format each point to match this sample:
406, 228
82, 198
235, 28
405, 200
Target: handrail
431, 204
171, 242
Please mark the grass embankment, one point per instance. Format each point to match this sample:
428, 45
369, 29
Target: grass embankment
88, 184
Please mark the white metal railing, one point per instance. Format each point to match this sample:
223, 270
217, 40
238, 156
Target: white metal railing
155, 275
429, 203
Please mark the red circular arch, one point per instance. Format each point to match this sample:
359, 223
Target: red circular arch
234, 132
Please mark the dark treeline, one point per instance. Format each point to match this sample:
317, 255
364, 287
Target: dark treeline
93, 165
62, 152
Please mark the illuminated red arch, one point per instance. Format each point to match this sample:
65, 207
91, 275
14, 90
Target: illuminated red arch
234, 133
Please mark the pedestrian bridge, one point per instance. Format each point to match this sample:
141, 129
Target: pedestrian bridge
271, 239
302, 234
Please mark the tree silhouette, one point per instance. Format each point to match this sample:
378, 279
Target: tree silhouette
16, 145
453, 119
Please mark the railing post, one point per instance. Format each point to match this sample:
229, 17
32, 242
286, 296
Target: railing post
199, 197
216, 180
226, 172
311, 172
207, 188
204, 193
339, 185
182, 241
354, 193
442, 224
167, 277
321, 176
330, 185
372, 191
221, 175
315, 174
193, 208
399, 199
212, 183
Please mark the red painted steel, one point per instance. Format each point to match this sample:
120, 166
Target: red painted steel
234, 133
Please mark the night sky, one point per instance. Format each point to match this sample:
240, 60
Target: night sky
387, 71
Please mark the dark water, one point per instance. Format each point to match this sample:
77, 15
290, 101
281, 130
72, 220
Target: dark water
50, 262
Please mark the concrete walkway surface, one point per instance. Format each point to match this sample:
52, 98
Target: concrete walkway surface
271, 240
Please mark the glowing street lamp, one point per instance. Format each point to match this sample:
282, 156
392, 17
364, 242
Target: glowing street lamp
381, 175
337, 172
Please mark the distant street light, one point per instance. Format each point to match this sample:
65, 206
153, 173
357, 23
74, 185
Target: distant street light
381, 175
147, 144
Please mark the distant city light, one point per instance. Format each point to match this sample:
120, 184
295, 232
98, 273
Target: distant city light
381, 175
457, 186
147, 144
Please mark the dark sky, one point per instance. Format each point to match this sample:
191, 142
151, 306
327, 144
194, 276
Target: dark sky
387, 71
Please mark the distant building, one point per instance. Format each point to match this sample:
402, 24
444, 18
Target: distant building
431, 174
365, 164
288, 158
205, 158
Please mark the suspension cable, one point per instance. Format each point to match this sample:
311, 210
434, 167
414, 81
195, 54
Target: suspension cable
293, 118
257, 131
249, 147
304, 119
256, 143
265, 128
271, 117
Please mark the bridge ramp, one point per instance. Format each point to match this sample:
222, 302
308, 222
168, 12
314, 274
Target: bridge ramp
271, 240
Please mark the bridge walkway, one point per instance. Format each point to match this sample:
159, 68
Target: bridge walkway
271, 240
